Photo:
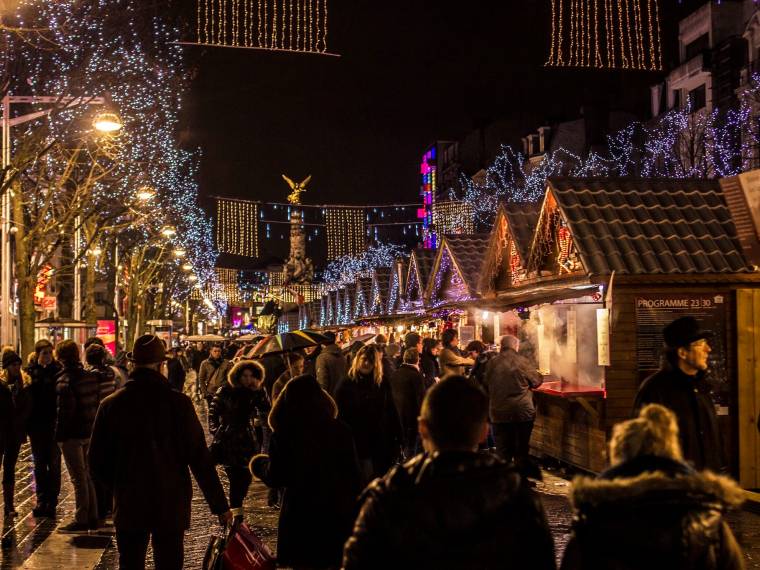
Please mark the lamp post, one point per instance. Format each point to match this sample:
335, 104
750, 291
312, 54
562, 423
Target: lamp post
6, 274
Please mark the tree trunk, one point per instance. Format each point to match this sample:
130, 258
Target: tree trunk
26, 281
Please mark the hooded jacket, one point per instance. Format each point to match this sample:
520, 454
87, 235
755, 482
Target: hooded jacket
450, 510
230, 416
312, 457
146, 440
653, 513
688, 397
78, 397
508, 380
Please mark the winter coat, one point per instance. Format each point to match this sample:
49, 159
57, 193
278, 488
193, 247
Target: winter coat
430, 368
145, 437
450, 510
21, 406
6, 417
369, 411
408, 389
316, 465
230, 418
688, 397
653, 513
77, 393
212, 375
176, 373
106, 380
42, 419
452, 362
478, 372
332, 367
508, 381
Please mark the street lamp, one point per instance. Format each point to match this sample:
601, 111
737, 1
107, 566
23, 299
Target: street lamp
193, 278
145, 193
179, 252
107, 122
187, 267
168, 231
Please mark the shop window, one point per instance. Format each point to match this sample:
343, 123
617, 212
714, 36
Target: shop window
696, 47
698, 98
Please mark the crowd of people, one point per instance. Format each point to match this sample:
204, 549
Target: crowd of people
410, 454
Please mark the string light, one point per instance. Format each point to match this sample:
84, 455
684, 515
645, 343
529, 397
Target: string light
631, 34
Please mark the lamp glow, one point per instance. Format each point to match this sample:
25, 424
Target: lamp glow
107, 122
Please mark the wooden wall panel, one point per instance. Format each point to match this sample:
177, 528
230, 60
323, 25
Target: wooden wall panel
748, 368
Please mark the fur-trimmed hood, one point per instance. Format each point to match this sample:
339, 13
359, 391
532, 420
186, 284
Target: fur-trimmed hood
692, 486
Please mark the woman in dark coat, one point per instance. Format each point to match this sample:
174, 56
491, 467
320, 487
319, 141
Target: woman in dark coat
312, 457
15, 385
230, 419
650, 510
365, 403
429, 366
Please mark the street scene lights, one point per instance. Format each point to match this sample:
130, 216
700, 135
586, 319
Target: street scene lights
145, 193
168, 231
179, 253
187, 267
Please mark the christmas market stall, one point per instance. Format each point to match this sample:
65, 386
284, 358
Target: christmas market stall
610, 263
396, 287
420, 265
363, 297
379, 296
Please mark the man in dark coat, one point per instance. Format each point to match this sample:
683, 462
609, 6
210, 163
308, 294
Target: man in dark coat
331, 365
680, 385
175, 371
508, 380
408, 389
145, 437
213, 373
47, 455
451, 507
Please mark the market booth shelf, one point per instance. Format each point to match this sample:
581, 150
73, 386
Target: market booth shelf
611, 262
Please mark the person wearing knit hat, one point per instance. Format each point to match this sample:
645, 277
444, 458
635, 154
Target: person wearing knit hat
650, 509
681, 386
44, 369
146, 440
15, 407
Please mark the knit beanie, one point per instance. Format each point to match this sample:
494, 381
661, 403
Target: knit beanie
10, 357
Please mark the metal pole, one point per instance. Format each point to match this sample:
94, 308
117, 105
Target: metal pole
77, 316
5, 251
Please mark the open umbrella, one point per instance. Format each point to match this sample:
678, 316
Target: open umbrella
205, 338
286, 342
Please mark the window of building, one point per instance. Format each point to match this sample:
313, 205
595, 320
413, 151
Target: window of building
677, 103
696, 47
698, 98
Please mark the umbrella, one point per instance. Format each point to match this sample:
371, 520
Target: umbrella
286, 342
205, 338
249, 337
363, 338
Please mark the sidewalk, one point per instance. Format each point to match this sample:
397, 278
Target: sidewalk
33, 544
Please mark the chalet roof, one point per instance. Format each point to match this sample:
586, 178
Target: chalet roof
425, 259
649, 226
382, 277
522, 219
468, 251
364, 284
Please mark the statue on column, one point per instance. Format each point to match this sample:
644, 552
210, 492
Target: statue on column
298, 268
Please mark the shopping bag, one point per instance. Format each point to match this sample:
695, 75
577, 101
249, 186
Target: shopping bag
214, 557
245, 551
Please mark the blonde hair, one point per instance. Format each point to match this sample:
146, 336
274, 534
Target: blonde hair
377, 372
654, 432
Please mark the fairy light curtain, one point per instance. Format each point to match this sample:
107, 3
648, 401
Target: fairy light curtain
346, 230
236, 228
606, 34
277, 25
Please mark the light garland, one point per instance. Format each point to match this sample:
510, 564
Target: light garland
345, 232
629, 32
276, 25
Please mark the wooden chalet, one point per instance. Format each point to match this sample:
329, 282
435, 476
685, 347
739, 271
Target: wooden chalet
363, 297
455, 277
611, 262
380, 287
349, 304
396, 287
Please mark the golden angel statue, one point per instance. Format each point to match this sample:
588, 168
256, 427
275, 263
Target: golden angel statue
297, 188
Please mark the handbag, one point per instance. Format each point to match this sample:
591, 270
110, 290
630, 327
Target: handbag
214, 557
245, 551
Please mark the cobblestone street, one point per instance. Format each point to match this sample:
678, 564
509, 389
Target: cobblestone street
34, 544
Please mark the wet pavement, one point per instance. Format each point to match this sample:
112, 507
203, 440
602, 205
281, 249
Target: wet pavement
31, 543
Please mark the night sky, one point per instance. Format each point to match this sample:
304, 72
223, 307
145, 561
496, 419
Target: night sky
410, 73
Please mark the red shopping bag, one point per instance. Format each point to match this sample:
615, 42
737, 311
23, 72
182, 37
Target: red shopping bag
246, 551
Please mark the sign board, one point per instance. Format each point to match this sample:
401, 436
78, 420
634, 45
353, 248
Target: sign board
466, 334
750, 182
653, 312
107, 332
49, 303
603, 336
